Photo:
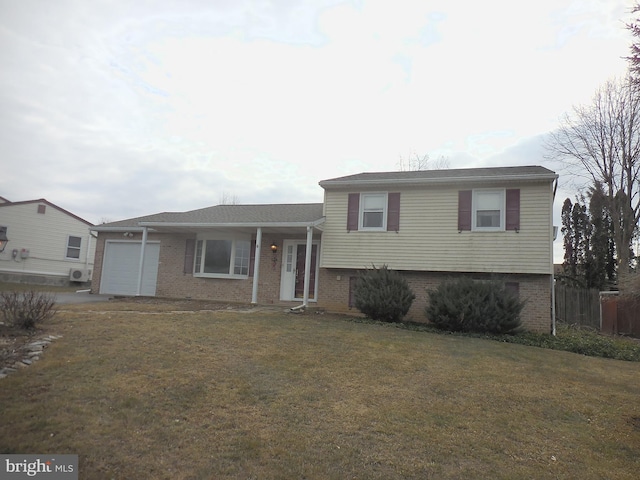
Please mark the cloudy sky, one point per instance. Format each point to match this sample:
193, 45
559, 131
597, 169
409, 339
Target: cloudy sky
114, 109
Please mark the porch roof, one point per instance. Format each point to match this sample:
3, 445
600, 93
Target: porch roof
274, 216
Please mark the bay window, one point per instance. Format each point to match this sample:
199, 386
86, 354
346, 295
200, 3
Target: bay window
222, 257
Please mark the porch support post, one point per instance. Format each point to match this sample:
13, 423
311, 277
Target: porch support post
143, 247
256, 267
307, 266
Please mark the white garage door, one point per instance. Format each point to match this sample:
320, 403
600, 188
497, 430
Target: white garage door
120, 268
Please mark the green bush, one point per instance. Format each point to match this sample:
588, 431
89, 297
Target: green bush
466, 305
383, 294
26, 309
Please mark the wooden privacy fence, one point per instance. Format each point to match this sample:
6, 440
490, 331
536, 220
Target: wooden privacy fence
578, 305
604, 311
620, 315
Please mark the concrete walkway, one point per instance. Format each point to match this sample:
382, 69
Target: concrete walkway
79, 297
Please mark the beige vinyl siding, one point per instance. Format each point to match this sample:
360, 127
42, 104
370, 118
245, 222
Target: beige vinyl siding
45, 236
429, 240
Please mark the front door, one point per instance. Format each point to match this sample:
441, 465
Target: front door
293, 263
300, 263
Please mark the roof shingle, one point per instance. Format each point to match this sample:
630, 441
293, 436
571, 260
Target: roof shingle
449, 175
233, 214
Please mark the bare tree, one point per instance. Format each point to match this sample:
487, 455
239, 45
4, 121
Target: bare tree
228, 199
602, 142
416, 162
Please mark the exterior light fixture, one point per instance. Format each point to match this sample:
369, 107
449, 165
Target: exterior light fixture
3, 238
274, 249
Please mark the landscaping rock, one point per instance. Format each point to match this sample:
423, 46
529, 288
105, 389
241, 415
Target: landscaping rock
25, 355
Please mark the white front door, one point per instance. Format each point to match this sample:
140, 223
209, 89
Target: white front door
293, 267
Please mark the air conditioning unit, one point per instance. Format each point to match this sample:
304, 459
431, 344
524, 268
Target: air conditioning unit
79, 275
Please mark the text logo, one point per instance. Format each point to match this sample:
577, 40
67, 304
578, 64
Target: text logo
49, 467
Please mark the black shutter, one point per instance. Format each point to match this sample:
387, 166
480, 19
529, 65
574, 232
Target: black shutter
252, 257
464, 210
353, 211
393, 212
189, 252
512, 216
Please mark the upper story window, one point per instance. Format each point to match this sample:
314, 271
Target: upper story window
374, 211
223, 257
488, 209
73, 247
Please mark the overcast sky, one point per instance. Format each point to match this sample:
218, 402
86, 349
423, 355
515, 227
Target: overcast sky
114, 109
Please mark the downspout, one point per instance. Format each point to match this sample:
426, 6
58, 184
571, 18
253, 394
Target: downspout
86, 256
553, 305
307, 267
256, 267
143, 247
553, 273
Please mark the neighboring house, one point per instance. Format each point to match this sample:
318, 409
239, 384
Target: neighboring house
488, 223
47, 244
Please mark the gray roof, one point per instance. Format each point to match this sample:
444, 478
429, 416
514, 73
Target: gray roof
230, 215
442, 176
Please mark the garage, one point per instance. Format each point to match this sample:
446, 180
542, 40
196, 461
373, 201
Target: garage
121, 265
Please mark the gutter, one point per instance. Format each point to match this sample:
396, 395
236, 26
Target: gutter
315, 223
438, 181
117, 229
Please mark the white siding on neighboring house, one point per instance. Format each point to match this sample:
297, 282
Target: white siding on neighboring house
45, 236
428, 238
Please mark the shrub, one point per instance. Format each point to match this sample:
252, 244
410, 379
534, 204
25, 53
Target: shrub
383, 294
466, 305
26, 309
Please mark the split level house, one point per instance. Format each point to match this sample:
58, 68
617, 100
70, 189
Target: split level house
46, 244
486, 223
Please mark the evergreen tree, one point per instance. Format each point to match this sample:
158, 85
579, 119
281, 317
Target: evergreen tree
576, 229
570, 259
383, 294
589, 258
467, 305
602, 245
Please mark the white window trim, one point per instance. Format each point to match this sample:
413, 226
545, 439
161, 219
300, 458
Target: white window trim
385, 207
67, 247
233, 239
474, 211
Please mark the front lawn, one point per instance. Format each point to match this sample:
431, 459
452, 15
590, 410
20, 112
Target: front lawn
163, 393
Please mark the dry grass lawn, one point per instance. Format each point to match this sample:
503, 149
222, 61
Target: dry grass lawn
144, 391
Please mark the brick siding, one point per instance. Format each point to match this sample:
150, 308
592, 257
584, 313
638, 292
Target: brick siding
534, 289
172, 282
333, 287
